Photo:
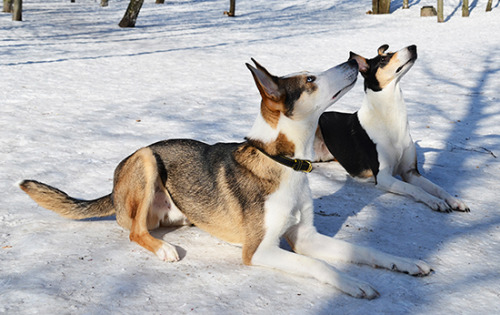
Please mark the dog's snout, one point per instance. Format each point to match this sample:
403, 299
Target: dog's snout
412, 48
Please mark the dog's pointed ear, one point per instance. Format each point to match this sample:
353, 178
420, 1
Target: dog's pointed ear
266, 83
363, 65
382, 49
259, 66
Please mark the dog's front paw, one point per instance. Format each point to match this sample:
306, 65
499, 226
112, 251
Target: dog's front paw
412, 267
457, 204
358, 289
365, 291
167, 252
437, 204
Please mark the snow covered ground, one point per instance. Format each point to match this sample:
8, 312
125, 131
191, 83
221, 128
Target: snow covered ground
78, 94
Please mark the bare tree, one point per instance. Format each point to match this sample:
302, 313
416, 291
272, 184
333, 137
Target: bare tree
440, 11
465, 8
104, 3
405, 4
7, 6
488, 6
17, 10
381, 6
131, 13
232, 8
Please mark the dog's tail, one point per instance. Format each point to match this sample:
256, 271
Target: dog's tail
58, 201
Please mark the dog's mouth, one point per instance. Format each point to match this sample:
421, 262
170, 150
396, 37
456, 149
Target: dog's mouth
343, 89
407, 63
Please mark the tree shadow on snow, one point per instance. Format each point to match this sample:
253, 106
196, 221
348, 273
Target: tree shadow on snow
415, 228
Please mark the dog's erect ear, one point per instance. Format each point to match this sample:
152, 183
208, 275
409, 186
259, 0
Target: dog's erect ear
362, 64
260, 67
382, 49
266, 83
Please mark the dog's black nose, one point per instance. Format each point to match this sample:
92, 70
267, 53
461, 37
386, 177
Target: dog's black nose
412, 48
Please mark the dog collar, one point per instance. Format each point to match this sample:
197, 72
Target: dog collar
296, 164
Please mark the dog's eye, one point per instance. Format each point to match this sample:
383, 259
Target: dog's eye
310, 79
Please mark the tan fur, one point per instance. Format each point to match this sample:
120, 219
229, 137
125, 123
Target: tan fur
137, 185
385, 75
53, 199
365, 174
271, 111
133, 195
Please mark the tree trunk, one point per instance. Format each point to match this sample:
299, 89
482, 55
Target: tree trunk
440, 11
232, 8
17, 10
7, 6
160, 1
381, 6
375, 6
488, 6
104, 3
465, 8
131, 14
405, 4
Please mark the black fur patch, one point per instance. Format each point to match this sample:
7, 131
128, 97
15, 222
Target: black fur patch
349, 143
374, 64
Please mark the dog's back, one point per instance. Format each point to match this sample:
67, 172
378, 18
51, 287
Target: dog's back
215, 185
349, 143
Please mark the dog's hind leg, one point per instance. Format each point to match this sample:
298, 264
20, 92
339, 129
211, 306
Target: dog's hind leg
414, 178
305, 240
136, 182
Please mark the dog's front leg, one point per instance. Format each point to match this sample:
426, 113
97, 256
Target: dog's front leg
416, 179
307, 241
277, 258
389, 183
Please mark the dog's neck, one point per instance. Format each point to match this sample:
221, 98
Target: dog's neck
385, 106
290, 138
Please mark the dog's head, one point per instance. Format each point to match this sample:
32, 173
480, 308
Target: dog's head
301, 96
386, 67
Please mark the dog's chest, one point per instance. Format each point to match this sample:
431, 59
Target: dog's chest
285, 207
387, 128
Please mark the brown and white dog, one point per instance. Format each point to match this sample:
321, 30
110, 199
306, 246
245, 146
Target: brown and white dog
376, 141
250, 193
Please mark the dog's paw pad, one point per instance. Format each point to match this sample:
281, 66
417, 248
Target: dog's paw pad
167, 252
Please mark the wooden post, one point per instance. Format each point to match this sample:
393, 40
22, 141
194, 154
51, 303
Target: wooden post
17, 10
488, 6
405, 4
7, 6
375, 6
465, 8
160, 1
131, 14
440, 11
232, 8
381, 6
104, 3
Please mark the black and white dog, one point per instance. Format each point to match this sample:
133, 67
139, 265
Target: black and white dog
376, 140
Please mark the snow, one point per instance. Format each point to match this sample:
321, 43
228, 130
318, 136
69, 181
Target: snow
79, 94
